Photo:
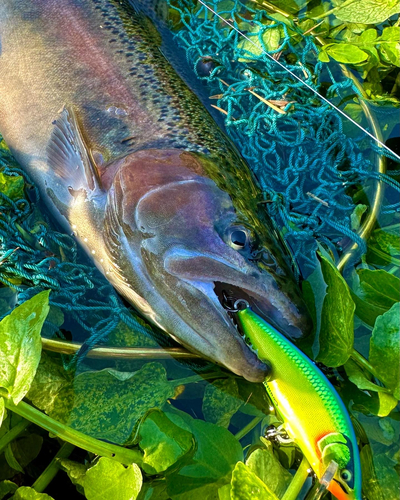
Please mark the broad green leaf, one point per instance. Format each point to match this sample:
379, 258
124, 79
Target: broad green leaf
380, 478
382, 245
368, 36
384, 353
245, 485
337, 333
387, 403
221, 401
26, 493
268, 468
374, 293
107, 404
50, 378
359, 378
163, 442
21, 345
271, 38
391, 34
390, 53
6, 488
314, 293
224, 492
346, 53
110, 480
368, 11
217, 452
12, 186
11, 460
76, 472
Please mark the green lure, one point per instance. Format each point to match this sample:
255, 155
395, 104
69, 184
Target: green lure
314, 415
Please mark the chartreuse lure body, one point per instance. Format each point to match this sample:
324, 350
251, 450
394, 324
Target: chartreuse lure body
314, 415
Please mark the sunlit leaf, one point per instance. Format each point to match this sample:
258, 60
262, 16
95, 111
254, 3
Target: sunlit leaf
368, 11
12, 186
346, 53
163, 442
245, 484
110, 480
76, 472
26, 493
20, 345
268, 468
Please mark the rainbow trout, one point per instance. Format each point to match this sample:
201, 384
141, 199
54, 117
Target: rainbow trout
127, 158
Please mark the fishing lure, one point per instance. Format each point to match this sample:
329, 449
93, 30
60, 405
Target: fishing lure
314, 415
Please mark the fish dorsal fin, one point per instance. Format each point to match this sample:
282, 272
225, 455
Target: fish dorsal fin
68, 156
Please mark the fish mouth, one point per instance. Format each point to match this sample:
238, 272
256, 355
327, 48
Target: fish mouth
211, 285
228, 295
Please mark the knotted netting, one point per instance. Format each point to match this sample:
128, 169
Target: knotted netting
301, 151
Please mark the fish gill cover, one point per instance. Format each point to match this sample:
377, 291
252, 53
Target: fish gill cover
315, 170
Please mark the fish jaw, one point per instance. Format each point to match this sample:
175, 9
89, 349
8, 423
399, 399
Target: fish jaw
167, 230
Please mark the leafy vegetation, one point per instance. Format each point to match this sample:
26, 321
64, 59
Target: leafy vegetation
154, 430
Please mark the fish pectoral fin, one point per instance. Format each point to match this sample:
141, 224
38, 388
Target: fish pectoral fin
69, 157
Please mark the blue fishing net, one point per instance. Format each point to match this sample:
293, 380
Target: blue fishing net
301, 151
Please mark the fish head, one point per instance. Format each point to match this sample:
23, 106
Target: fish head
344, 486
195, 253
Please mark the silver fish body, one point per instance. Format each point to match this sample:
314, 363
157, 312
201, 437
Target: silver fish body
126, 156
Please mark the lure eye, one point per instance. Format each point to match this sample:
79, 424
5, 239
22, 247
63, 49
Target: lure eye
238, 238
346, 475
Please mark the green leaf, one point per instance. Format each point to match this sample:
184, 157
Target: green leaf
7, 487
2, 410
163, 442
21, 345
368, 11
216, 453
374, 293
391, 34
221, 401
76, 472
382, 245
359, 378
12, 186
107, 404
245, 485
26, 493
254, 47
271, 38
346, 53
110, 480
368, 36
387, 403
390, 53
24, 450
380, 478
337, 333
50, 378
268, 468
384, 353
355, 110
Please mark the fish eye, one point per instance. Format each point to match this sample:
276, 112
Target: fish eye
346, 475
238, 238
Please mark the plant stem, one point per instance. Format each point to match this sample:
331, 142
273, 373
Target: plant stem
51, 470
13, 433
123, 455
298, 481
329, 12
358, 358
250, 426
